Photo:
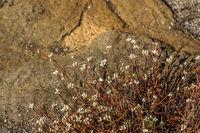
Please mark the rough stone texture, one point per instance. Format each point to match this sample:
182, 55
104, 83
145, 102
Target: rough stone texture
187, 14
63, 27
96, 19
121, 49
152, 18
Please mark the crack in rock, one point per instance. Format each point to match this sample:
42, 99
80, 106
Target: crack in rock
79, 23
112, 8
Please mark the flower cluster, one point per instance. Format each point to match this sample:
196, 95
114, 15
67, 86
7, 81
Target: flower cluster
131, 99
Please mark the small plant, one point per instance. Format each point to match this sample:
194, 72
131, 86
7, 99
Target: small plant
134, 98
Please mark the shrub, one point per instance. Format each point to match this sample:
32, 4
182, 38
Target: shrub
134, 98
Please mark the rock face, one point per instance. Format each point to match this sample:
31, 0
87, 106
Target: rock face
74, 27
187, 15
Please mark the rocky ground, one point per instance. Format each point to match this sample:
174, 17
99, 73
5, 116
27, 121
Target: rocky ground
82, 28
187, 15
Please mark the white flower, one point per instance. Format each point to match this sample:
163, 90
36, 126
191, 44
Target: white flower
135, 46
109, 91
185, 63
108, 47
94, 97
50, 55
145, 77
155, 119
145, 52
186, 87
159, 75
87, 110
89, 59
133, 41
123, 127
100, 79
146, 118
40, 121
126, 67
70, 85
184, 72
155, 59
103, 62
154, 96
183, 78
136, 82
136, 107
109, 81
155, 52
132, 56
144, 100
65, 108
115, 75
193, 86
100, 107
198, 57
145, 130
40, 129
169, 60
156, 43
55, 72
62, 78
188, 100
75, 64
100, 119
72, 57
55, 122
31, 106
183, 127
94, 82
54, 105
68, 126
170, 94
86, 121
106, 117
94, 103
57, 92
81, 110
84, 95
73, 97
78, 119
128, 39
121, 69
124, 85
83, 67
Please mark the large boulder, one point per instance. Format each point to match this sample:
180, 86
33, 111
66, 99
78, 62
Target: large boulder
73, 27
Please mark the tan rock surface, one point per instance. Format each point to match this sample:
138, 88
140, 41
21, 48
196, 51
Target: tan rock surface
96, 19
54, 26
152, 18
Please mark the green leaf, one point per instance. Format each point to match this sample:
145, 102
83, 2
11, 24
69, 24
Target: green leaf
168, 129
79, 126
162, 124
150, 124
